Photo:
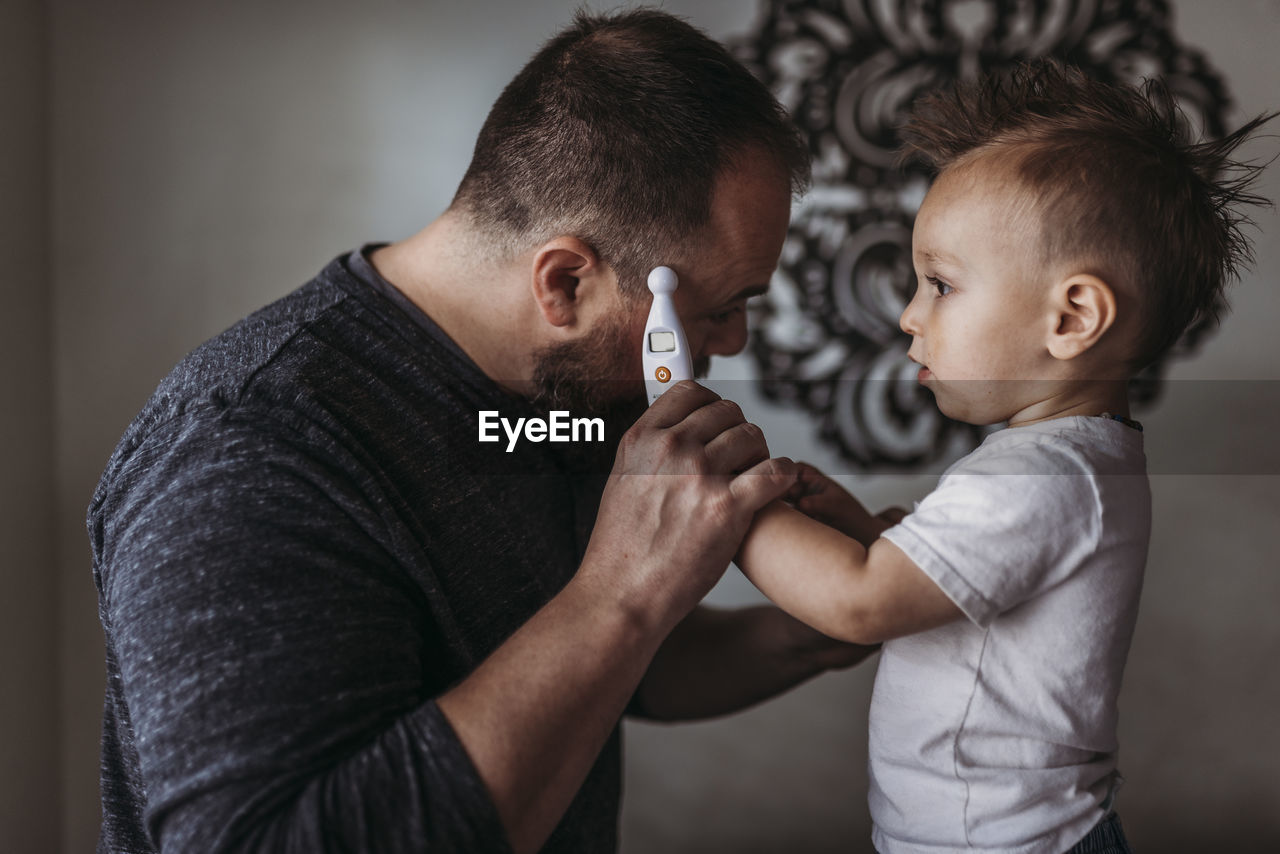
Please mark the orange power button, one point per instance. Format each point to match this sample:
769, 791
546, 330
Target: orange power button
662, 374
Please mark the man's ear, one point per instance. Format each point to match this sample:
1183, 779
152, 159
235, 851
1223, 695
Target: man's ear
565, 272
1084, 308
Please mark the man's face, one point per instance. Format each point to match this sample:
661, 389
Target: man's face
750, 210
978, 318
736, 257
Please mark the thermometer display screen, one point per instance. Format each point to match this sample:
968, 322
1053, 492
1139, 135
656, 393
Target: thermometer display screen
662, 342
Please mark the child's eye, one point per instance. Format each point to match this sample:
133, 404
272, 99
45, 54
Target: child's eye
940, 286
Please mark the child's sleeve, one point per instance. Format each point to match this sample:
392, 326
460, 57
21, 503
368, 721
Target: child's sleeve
994, 540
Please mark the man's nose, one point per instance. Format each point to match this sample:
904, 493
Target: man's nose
726, 340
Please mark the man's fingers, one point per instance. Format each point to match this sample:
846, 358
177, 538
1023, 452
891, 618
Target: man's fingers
676, 403
706, 424
737, 449
762, 483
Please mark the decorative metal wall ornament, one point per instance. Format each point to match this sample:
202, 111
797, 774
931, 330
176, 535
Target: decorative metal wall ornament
826, 337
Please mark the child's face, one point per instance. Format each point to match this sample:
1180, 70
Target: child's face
980, 316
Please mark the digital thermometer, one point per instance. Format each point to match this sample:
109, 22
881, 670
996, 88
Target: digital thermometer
666, 350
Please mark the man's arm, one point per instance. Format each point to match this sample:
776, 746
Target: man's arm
831, 582
719, 661
534, 716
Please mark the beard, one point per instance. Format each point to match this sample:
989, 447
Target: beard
596, 375
593, 376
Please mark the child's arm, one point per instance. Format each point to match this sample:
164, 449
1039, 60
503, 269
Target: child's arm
828, 580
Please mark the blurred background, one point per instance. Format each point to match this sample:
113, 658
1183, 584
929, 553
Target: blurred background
170, 166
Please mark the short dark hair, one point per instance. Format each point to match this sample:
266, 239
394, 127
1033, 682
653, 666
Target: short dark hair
616, 131
1115, 180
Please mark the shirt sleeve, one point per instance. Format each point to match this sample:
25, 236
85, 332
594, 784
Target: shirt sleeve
274, 657
993, 539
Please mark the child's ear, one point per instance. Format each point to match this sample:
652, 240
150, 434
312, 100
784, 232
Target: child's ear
1084, 309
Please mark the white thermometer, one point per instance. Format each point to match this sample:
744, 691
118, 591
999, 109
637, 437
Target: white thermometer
666, 350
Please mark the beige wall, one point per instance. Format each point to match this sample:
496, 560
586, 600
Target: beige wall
29, 746
207, 158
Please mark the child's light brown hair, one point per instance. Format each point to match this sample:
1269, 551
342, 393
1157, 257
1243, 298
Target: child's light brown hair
1115, 181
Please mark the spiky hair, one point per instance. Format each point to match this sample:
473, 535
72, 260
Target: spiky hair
1114, 179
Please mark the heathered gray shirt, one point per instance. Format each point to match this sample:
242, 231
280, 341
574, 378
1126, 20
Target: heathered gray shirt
299, 543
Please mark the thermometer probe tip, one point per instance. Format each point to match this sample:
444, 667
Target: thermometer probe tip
662, 280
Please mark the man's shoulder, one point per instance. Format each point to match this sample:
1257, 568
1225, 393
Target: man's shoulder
333, 360
221, 368
218, 373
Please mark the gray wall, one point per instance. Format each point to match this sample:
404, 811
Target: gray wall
28, 606
206, 158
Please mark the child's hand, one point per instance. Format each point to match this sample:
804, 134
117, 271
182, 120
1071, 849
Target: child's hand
892, 515
819, 497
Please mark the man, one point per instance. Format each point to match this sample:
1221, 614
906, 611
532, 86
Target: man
336, 620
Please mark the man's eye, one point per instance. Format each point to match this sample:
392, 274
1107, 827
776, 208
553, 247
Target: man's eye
940, 286
725, 316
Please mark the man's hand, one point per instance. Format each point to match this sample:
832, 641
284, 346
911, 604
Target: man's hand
823, 653
676, 507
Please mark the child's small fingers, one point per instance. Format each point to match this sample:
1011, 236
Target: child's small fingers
814, 480
816, 488
892, 515
810, 472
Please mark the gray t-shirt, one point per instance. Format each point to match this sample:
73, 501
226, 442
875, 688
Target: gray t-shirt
297, 545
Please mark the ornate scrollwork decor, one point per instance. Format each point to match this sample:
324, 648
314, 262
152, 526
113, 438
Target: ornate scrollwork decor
827, 338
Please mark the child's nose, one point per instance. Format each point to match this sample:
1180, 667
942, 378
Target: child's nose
909, 322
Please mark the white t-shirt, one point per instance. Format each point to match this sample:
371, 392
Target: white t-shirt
998, 733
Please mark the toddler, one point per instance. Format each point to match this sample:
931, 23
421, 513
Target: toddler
1071, 236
